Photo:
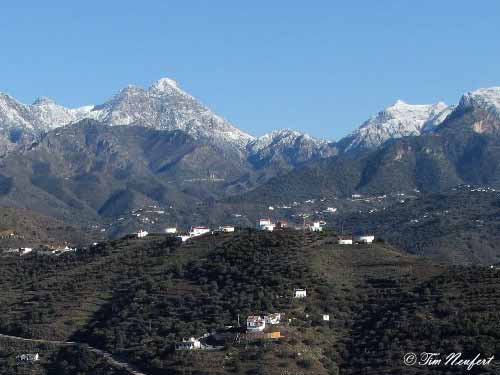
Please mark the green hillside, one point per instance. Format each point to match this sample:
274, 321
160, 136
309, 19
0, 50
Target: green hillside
136, 298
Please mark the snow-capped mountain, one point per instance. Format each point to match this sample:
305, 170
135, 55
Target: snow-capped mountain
487, 100
479, 111
399, 120
288, 145
165, 106
43, 115
21, 124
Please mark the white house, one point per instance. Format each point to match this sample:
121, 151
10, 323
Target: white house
226, 228
326, 317
317, 226
25, 250
273, 318
142, 234
266, 224
263, 222
171, 230
198, 231
255, 323
300, 293
28, 357
269, 227
331, 209
364, 238
344, 240
189, 344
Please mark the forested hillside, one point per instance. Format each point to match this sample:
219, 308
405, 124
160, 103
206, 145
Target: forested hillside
137, 298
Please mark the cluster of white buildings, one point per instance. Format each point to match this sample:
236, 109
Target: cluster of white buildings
257, 323
361, 239
41, 251
28, 357
194, 231
201, 230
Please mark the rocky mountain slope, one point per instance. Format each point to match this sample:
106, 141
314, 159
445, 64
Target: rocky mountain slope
87, 170
163, 106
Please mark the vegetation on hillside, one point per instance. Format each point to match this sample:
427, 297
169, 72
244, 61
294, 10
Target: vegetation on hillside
137, 297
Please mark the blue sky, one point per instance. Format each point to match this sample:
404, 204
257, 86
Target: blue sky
319, 66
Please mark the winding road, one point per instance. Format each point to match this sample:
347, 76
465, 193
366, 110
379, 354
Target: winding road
108, 356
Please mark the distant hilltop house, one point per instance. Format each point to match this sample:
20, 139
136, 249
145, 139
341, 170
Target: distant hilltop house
317, 226
364, 238
188, 344
198, 231
299, 293
142, 234
25, 250
28, 357
344, 240
266, 224
55, 250
255, 323
226, 228
331, 209
171, 230
194, 232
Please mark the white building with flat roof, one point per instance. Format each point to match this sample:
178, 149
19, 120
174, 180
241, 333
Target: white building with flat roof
255, 323
364, 238
142, 234
299, 293
198, 231
188, 344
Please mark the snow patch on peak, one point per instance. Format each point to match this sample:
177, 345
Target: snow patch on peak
399, 120
167, 86
399, 103
487, 99
165, 82
283, 137
43, 100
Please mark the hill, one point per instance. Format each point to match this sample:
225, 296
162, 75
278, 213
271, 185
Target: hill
25, 228
136, 298
458, 226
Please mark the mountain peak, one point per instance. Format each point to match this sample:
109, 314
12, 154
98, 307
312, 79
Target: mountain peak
398, 120
43, 100
165, 85
486, 98
399, 103
165, 82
